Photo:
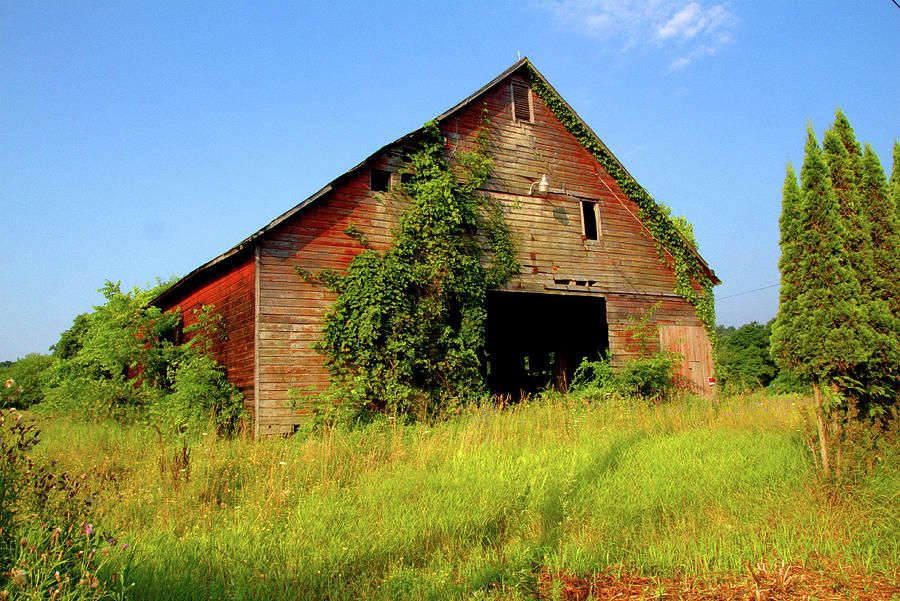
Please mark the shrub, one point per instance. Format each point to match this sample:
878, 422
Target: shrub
20, 382
593, 378
651, 377
125, 360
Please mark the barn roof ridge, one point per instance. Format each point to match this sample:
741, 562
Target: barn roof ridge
247, 243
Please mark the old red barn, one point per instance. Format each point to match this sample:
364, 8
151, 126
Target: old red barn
588, 252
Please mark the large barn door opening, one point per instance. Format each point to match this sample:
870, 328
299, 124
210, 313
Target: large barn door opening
538, 340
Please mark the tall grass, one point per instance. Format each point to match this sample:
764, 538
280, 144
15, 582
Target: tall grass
479, 506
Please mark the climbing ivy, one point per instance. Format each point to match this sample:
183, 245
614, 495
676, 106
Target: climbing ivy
406, 331
671, 245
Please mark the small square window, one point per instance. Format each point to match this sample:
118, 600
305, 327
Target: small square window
380, 180
590, 220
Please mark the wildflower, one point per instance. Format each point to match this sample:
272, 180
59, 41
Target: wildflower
89, 529
124, 546
10, 382
18, 577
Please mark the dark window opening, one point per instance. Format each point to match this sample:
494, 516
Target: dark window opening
521, 102
535, 341
405, 178
589, 219
380, 180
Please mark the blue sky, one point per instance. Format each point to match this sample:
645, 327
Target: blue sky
142, 139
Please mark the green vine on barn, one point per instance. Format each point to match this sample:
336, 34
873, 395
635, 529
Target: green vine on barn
690, 273
406, 332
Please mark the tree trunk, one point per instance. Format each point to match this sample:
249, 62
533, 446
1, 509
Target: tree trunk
823, 435
837, 438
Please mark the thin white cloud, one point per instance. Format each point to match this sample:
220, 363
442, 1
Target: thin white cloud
687, 29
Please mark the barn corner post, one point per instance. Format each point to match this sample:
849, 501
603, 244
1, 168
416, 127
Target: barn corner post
256, 341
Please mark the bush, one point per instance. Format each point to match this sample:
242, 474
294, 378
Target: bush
593, 378
20, 382
649, 377
126, 361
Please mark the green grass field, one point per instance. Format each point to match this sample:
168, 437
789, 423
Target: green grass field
488, 505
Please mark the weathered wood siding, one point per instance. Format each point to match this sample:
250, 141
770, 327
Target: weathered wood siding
291, 309
693, 344
622, 265
230, 291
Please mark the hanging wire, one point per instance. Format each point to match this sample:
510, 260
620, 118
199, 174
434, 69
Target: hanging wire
747, 292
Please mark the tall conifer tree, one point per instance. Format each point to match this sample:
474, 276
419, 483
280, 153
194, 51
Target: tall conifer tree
834, 336
786, 327
824, 339
883, 369
844, 158
895, 178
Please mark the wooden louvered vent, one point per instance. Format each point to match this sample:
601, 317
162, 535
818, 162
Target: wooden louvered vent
521, 102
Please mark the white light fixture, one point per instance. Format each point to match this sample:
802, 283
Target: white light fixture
543, 185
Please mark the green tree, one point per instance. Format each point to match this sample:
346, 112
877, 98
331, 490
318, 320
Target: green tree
743, 359
879, 210
823, 338
895, 178
124, 360
786, 325
20, 381
844, 158
70, 341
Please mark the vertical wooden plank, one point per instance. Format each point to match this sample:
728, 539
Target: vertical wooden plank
693, 344
256, 262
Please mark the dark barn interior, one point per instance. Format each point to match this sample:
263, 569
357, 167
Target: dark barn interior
538, 340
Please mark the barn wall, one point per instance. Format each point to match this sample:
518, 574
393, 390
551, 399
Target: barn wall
622, 265
292, 309
230, 290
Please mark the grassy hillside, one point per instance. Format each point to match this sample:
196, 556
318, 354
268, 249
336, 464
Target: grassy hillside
538, 500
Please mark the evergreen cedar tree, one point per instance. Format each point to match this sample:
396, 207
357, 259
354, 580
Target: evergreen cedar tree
838, 323
784, 353
895, 178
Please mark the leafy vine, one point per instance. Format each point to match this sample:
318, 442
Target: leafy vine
406, 331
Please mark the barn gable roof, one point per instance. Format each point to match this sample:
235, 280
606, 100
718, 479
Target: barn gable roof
523, 66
